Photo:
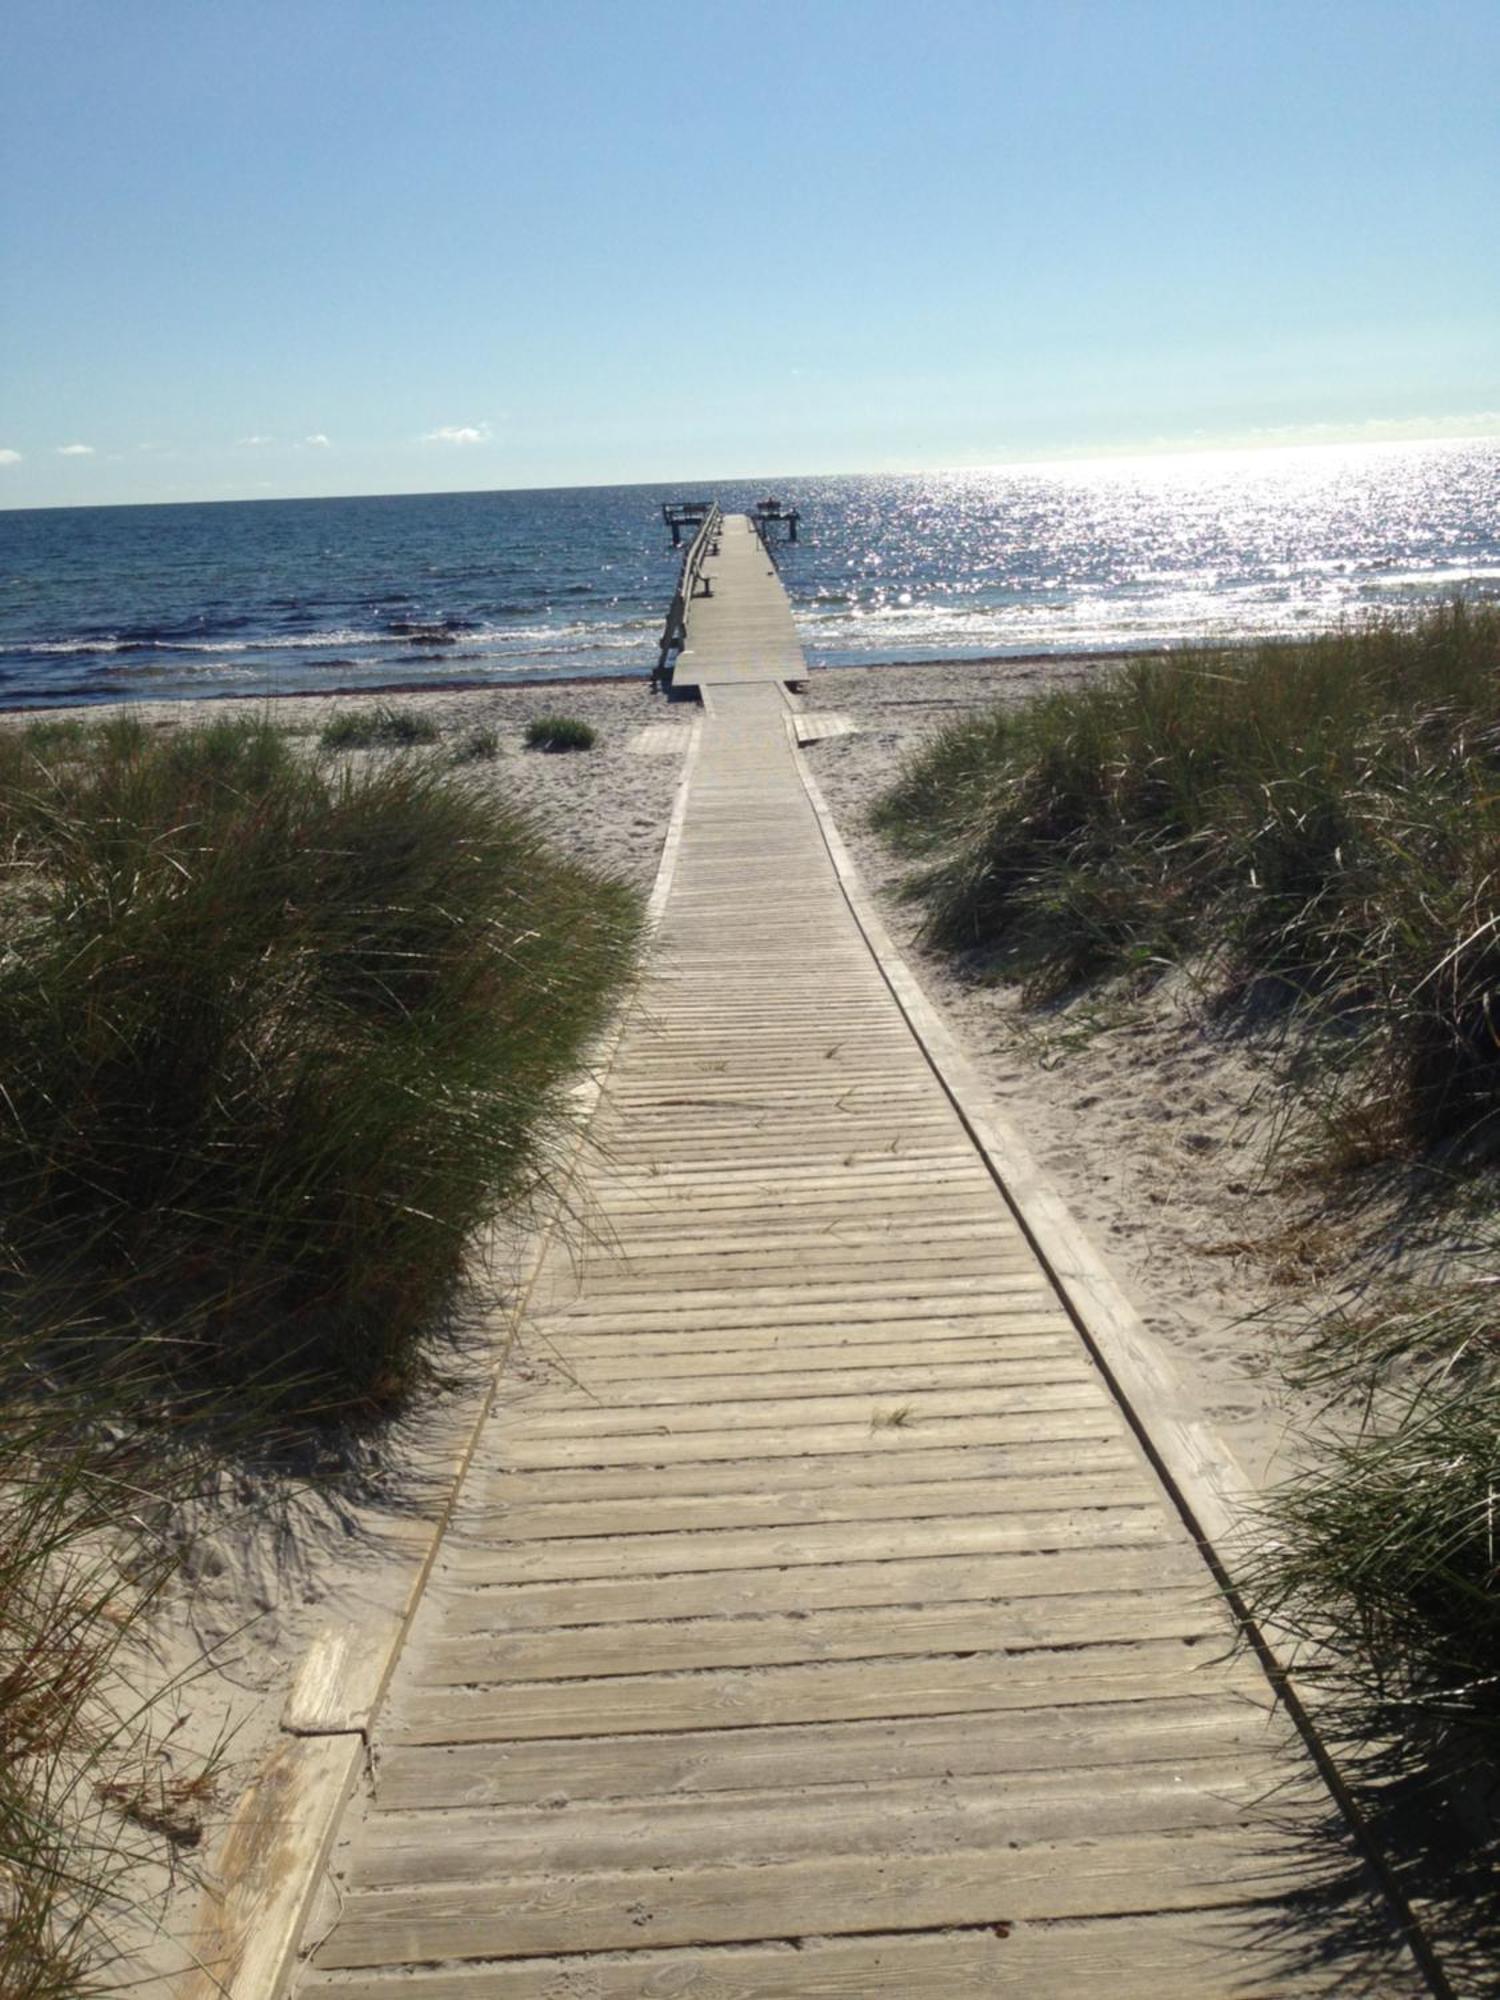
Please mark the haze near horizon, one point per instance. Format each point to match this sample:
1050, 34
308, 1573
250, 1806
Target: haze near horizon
357, 246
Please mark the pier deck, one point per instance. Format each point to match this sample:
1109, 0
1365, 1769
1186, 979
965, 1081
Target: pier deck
811, 1621
742, 631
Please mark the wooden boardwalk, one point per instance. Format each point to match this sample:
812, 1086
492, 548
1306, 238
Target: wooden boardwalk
811, 1622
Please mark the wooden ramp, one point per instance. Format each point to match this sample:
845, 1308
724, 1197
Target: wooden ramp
811, 1623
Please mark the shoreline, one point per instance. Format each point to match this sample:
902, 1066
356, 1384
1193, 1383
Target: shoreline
1093, 657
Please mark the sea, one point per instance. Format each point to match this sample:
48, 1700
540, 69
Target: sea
264, 597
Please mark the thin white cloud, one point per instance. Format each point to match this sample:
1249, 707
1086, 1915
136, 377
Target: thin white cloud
458, 434
9, 457
256, 440
1393, 430
317, 439
75, 451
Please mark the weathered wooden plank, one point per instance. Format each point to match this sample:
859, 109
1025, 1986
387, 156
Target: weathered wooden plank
780, 1506
910, 1217
674, 1645
533, 1420
838, 1895
611, 1274
624, 1704
752, 1828
1015, 1329
814, 1305
932, 1579
886, 1242
781, 1206
1022, 1297
499, 1560
668, 1372
1187, 1955
341, 1676
916, 1180
851, 1471
804, 1099
821, 1756
1076, 1417
267, 1869
625, 1390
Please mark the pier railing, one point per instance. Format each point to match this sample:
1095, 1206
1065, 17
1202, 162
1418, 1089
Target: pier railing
674, 635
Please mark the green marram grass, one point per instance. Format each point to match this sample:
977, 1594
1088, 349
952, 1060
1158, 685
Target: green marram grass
380, 728
477, 745
1381, 1552
278, 1042
75, 1746
559, 732
1318, 820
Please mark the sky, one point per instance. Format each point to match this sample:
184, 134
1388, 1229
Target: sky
287, 247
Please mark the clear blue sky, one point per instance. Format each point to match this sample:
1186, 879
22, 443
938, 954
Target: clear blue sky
473, 243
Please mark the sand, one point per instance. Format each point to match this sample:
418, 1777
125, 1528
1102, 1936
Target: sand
1153, 1126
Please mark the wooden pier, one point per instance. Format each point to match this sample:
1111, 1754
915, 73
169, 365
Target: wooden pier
736, 624
813, 1620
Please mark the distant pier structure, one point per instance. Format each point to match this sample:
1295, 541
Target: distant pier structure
771, 515
729, 619
680, 514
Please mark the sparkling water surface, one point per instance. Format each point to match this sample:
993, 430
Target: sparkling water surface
280, 596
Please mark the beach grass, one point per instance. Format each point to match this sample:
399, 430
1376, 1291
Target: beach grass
379, 728
77, 1574
1380, 1552
477, 745
559, 732
279, 1041
1316, 823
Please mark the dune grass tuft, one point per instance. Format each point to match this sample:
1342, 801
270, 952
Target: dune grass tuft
477, 745
278, 1042
380, 728
1319, 818
559, 732
71, 1748
1381, 1552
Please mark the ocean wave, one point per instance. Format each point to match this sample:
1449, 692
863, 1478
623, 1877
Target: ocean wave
272, 642
401, 635
1430, 579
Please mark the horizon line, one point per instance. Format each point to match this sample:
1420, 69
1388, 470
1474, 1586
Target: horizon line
1073, 458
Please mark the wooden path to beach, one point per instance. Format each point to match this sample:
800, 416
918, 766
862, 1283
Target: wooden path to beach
812, 1621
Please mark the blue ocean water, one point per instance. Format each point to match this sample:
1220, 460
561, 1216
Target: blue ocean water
278, 596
